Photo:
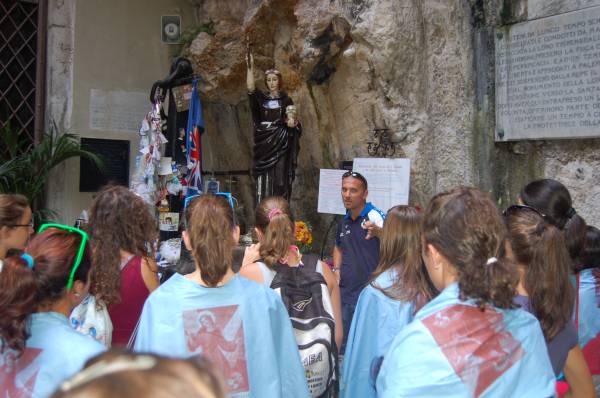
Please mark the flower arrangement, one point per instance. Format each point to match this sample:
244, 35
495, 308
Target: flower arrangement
304, 237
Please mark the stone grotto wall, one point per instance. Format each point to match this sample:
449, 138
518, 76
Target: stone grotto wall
421, 68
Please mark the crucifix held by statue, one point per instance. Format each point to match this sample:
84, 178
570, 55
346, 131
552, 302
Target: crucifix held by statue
276, 135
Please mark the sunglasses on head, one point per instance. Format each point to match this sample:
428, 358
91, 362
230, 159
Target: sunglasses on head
513, 208
84, 239
227, 195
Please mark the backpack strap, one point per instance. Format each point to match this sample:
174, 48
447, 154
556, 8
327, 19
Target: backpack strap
310, 261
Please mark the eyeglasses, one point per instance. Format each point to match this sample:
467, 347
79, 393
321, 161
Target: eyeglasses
514, 208
84, 239
30, 225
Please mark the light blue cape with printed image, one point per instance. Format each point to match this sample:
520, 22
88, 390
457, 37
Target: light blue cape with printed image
453, 349
377, 320
241, 327
53, 353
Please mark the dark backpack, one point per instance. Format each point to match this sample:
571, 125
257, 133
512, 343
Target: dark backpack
305, 296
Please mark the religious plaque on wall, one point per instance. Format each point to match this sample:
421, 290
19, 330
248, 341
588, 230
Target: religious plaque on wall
548, 77
115, 155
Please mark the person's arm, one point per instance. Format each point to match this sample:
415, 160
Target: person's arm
578, 375
337, 262
336, 303
252, 272
150, 273
250, 73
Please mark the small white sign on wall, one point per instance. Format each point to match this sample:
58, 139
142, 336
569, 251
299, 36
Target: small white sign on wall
330, 192
120, 111
388, 179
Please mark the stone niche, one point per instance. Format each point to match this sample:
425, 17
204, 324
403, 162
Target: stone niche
349, 66
422, 68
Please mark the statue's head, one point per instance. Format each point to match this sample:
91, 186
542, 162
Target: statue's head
273, 80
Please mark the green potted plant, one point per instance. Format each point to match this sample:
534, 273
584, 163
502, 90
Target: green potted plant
25, 169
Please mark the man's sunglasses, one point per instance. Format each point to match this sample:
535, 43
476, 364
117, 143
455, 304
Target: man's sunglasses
513, 208
356, 175
82, 245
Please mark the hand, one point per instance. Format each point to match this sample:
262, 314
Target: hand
292, 122
372, 230
251, 254
250, 61
336, 273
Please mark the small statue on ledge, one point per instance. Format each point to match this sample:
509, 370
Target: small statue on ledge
276, 135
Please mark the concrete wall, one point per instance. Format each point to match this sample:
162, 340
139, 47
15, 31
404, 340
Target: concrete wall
110, 45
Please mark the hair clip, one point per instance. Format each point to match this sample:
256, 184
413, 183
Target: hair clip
28, 259
571, 212
274, 212
491, 261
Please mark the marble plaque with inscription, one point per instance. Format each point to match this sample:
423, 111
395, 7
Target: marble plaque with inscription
117, 110
548, 77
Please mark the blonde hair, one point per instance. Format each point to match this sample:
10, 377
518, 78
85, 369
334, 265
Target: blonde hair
274, 219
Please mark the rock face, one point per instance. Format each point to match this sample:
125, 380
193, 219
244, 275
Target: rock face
419, 68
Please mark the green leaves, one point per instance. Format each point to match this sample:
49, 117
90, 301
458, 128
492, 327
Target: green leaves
26, 170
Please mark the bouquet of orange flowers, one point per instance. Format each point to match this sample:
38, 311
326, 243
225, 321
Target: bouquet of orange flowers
304, 236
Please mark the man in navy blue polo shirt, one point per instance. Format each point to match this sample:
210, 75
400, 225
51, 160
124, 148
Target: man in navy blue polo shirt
356, 251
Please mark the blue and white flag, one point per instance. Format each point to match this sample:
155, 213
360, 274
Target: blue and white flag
241, 327
453, 349
195, 128
377, 320
53, 353
588, 317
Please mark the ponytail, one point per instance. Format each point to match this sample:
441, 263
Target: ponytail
547, 282
51, 254
278, 238
465, 226
17, 302
274, 219
540, 248
210, 222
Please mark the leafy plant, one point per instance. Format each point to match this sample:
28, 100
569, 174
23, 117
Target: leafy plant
188, 35
26, 170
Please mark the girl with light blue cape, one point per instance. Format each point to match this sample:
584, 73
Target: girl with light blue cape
388, 303
545, 290
38, 291
239, 325
588, 302
467, 342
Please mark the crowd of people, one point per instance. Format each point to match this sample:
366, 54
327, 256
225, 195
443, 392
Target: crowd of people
460, 299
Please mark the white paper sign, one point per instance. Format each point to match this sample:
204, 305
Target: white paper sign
330, 192
389, 180
117, 110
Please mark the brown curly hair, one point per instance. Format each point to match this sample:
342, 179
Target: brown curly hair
119, 220
466, 227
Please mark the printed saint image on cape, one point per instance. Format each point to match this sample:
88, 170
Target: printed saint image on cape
475, 343
218, 334
18, 374
473, 353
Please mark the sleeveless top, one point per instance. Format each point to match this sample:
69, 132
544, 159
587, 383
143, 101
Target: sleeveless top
125, 314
